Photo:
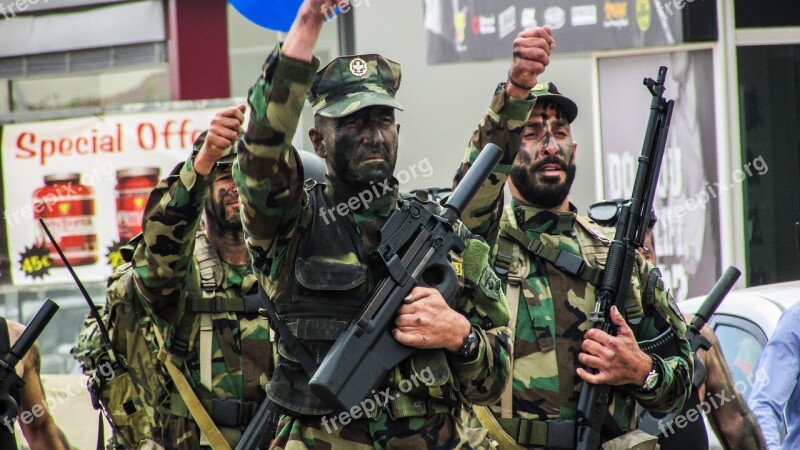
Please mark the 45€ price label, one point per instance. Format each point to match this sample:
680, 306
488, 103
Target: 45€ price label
35, 261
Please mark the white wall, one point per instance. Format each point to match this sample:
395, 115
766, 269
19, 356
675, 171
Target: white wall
444, 103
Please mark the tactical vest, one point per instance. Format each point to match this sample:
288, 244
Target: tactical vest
328, 284
512, 264
8, 439
205, 303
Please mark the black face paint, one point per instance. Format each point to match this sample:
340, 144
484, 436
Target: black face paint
219, 219
348, 155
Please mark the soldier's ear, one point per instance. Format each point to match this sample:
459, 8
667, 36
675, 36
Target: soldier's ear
315, 135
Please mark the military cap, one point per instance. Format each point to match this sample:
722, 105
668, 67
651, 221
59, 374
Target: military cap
350, 83
549, 92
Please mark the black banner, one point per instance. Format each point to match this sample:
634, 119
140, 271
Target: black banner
468, 30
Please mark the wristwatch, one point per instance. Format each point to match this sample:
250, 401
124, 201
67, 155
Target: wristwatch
470, 345
651, 381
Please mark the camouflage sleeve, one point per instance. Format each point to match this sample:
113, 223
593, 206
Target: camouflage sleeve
266, 170
502, 125
676, 370
162, 259
483, 379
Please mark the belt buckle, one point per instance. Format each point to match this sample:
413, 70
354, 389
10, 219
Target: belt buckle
561, 434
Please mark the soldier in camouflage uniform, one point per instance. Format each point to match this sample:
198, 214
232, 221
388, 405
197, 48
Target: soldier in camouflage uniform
550, 306
309, 248
217, 338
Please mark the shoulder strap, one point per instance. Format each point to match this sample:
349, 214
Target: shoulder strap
209, 263
513, 288
295, 347
199, 414
565, 261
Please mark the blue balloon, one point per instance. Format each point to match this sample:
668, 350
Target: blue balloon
275, 15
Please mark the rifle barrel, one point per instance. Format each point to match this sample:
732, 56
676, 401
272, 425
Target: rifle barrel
715, 297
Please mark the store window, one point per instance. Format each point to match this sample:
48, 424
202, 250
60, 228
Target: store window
766, 13
100, 89
769, 95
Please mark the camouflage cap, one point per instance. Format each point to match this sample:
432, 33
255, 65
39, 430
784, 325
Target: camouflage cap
549, 91
350, 83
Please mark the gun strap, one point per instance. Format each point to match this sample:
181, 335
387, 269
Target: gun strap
207, 427
568, 262
513, 287
295, 347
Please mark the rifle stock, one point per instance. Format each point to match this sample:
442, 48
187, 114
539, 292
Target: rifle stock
413, 249
613, 290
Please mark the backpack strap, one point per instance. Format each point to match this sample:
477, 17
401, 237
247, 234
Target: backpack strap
207, 427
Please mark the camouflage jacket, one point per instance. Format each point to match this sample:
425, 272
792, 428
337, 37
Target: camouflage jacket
274, 202
168, 279
553, 305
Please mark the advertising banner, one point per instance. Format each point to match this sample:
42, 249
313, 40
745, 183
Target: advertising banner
469, 30
88, 179
686, 203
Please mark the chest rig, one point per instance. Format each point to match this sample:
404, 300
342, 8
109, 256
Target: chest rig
329, 279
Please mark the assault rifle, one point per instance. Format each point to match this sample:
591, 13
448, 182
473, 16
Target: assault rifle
631, 228
8, 375
413, 251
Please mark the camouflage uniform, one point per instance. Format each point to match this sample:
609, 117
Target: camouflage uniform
554, 305
175, 288
283, 236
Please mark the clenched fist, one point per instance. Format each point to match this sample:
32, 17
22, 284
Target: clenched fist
222, 134
531, 55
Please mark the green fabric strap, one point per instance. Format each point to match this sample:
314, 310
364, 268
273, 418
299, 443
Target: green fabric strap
525, 432
215, 304
565, 261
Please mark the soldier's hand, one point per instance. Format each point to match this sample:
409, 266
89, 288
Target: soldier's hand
222, 134
327, 8
427, 321
618, 359
531, 55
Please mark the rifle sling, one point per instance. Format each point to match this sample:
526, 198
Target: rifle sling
303, 355
569, 263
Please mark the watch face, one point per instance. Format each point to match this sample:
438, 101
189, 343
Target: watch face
470, 344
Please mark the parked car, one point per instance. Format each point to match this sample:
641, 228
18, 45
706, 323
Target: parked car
743, 323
